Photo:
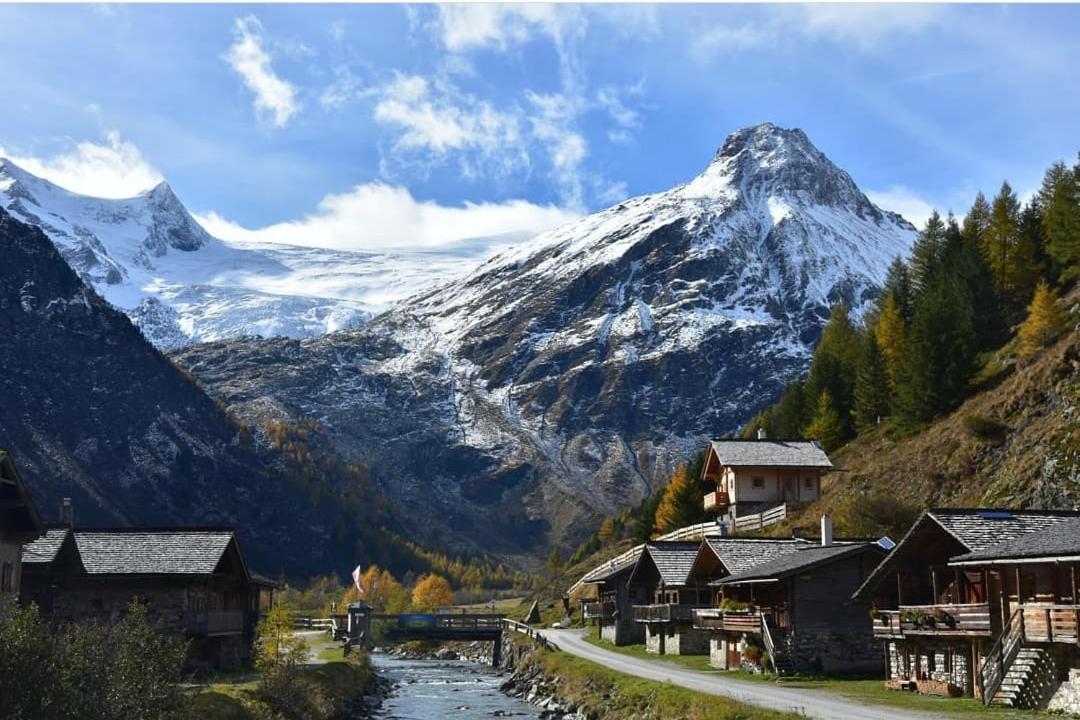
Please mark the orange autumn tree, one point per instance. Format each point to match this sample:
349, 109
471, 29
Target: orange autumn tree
381, 591
681, 504
432, 592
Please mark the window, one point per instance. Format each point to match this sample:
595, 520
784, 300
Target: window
808, 483
759, 482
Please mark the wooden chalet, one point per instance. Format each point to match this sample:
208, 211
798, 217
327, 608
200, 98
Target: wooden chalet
753, 476
662, 576
194, 582
19, 524
794, 612
612, 610
983, 602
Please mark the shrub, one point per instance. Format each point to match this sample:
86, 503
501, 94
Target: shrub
984, 428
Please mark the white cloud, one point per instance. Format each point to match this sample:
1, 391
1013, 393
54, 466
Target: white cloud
554, 124
247, 56
436, 118
114, 169
865, 25
473, 25
723, 38
380, 217
905, 201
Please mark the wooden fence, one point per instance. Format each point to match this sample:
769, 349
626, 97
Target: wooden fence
760, 520
538, 637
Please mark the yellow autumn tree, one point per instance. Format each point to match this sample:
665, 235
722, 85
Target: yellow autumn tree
890, 333
381, 591
607, 531
432, 592
1044, 323
680, 505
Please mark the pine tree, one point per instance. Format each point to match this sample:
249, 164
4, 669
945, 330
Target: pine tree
929, 249
1045, 321
871, 385
791, 413
826, 426
1059, 197
890, 332
681, 504
833, 368
977, 221
939, 354
898, 286
1001, 237
1029, 258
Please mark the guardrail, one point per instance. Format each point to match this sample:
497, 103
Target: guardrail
531, 632
760, 520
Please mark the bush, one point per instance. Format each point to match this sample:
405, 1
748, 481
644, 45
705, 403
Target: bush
90, 671
984, 428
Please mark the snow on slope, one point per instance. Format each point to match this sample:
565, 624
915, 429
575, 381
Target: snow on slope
148, 257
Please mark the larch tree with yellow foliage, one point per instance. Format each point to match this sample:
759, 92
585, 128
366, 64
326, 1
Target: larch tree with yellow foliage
890, 332
1044, 323
681, 504
431, 593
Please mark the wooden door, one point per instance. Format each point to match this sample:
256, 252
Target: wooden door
734, 657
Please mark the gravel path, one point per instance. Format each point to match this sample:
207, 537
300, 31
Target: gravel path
811, 703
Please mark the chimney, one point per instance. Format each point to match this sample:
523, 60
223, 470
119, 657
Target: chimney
826, 531
761, 433
67, 513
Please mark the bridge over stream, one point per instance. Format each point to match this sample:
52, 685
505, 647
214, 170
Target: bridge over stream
357, 628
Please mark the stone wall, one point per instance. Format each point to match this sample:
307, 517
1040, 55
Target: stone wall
655, 639
718, 652
933, 662
685, 640
834, 652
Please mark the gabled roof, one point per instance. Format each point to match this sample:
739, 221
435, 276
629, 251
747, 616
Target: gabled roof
770, 453
18, 514
673, 560
138, 551
739, 554
1060, 540
617, 565
45, 548
803, 559
975, 529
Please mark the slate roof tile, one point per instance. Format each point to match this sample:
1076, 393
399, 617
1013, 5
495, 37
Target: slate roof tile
771, 453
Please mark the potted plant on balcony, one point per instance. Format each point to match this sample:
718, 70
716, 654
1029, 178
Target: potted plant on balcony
913, 619
940, 617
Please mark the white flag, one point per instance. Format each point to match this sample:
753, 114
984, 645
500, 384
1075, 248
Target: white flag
356, 579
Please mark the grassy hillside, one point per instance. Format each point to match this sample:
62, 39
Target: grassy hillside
1015, 442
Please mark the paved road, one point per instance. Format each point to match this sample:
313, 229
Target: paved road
811, 703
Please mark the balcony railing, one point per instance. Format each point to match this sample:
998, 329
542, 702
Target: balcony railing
664, 613
1052, 623
716, 501
214, 622
733, 621
599, 610
968, 619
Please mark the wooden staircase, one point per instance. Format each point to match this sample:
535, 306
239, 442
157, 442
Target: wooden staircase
1016, 672
777, 646
1029, 681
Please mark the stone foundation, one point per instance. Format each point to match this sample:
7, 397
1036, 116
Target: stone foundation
943, 662
1066, 699
675, 639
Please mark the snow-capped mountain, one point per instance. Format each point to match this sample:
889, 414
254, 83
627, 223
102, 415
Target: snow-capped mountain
564, 378
148, 257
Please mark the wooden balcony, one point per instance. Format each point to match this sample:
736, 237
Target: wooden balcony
933, 620
1052, 623
210, 623
716, 501
733, 621
598, 610
665, 613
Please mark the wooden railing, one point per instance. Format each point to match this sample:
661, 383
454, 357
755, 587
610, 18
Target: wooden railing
600, 610
967, 619
734, 621
536, 635
664, 612
214, 622
1052, 623
716, 500
767, 641
694, 532
1000, 658
757, 521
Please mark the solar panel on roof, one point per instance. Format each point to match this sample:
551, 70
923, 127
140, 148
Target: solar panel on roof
995, 515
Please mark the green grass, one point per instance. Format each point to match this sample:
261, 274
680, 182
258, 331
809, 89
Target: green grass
870, 692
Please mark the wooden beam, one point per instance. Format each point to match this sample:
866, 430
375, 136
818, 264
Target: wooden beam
899, 589
933, 585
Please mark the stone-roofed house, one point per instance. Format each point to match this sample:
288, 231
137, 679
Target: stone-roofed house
194, 582
612, 610
19, 525
980, 602
756, 475
662, 576
792, 611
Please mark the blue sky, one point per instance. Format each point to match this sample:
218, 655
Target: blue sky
320, 124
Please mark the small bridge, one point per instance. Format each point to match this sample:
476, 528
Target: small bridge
485, 627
